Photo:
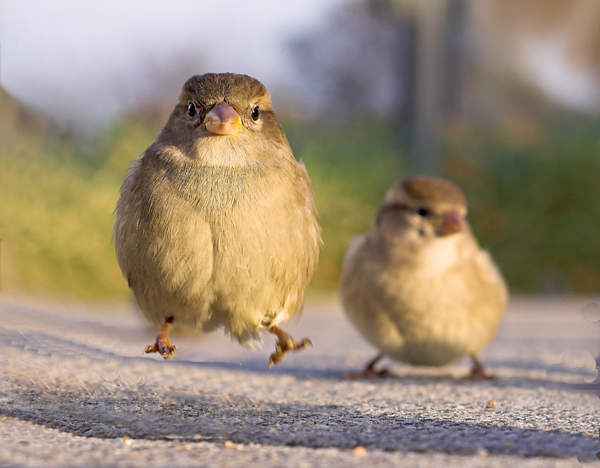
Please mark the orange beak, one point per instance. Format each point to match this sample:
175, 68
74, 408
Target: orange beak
450, 223
223, 120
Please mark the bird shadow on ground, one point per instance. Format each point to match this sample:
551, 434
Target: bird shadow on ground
405, 374
310, 425
138, 411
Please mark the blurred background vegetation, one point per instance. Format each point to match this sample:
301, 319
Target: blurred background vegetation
525, 148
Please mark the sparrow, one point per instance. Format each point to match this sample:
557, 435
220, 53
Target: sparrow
216, 224
418, 286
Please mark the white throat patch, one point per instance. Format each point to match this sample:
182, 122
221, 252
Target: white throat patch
228, 151
439, 255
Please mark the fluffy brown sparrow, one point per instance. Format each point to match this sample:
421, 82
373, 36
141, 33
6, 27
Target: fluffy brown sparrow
215, 225
418, 286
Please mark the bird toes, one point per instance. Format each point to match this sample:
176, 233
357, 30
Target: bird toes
304, 342
368, 373
276, 357
166, 350
480, 376
478, 372
283, 346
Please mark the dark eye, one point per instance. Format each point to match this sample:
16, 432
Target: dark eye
423, 212
255, 113
191, 110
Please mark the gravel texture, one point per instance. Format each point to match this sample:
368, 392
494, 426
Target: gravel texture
76, 391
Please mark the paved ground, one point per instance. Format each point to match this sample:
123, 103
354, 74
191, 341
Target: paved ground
76, 391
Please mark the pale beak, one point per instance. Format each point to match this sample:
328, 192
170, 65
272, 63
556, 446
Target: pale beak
223, 120
450, 223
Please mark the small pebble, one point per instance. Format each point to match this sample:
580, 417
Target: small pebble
186, 447
360, 451
228, 445
127, 440
491, 404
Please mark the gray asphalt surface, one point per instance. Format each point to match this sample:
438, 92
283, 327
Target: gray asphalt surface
76, 391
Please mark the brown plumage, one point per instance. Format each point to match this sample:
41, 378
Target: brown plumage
215, 225
418, 286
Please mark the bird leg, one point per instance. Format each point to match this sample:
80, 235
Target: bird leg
284, 344
478, 372
163, 344
369, 372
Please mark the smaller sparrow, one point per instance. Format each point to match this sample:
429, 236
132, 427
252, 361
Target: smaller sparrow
418, 286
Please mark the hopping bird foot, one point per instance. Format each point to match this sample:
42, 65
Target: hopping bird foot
164, 348
478, 372
369, 372
163, 345
284, 344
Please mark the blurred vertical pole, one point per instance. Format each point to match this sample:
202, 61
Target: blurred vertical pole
431, 17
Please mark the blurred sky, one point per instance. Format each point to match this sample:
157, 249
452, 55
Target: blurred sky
85, 61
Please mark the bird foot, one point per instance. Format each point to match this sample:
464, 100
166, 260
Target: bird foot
163, 345
478, 373
166, 350
284, 344
369, 372
478, 376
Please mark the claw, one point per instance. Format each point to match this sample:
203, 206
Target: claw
478, 372
369, 372
284, 344
163, 345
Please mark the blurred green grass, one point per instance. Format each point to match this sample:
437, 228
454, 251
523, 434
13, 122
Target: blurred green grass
351, 170
533, 202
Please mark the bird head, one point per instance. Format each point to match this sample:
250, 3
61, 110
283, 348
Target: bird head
222, 109
421, 209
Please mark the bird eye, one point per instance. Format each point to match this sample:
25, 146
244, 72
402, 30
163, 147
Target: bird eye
255, 113
191, 110
423, 212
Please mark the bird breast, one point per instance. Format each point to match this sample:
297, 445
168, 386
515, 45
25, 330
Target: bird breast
242, 238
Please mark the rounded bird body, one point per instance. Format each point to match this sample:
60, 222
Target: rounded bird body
418, 286
216, 226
